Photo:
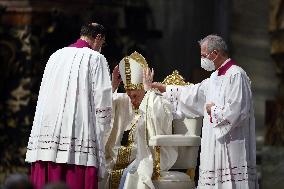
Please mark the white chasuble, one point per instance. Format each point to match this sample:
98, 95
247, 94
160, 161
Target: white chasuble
124, 123
156, 120
228, 157
124, 118
73, 110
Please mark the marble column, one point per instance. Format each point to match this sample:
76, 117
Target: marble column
273, 151
275, 131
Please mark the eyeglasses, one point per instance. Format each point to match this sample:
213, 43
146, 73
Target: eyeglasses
206, 55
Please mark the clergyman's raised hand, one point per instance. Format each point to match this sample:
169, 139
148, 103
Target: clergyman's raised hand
116, 79
148, 76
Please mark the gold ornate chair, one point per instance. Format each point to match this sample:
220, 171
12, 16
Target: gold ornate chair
186, 137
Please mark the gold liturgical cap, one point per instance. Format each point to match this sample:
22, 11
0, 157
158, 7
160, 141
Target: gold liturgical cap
131, 71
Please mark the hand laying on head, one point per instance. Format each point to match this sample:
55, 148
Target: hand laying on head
160, 86
148, 76
148, 81
116, 79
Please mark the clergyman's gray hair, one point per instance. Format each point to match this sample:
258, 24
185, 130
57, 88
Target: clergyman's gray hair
214, 42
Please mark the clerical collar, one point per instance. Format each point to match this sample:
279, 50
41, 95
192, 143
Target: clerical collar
225, 66
80, 43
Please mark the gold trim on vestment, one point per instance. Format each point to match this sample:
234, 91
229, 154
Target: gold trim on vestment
123, 156
115, 178
157, 163
140, 60
127, 73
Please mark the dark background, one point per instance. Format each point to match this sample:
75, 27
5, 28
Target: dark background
166, 33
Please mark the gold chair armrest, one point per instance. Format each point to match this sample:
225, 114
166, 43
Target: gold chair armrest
191, 172
156, 169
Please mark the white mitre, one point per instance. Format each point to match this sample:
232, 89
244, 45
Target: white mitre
131, 71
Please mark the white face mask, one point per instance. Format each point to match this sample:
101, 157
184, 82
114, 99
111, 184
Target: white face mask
207, 64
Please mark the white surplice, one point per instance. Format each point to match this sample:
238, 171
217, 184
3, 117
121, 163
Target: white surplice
228, 157
156, 119
73, 110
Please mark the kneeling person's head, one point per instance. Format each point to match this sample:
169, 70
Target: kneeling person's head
131, 71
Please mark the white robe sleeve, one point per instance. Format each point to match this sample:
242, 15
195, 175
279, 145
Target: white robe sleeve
159, 122
119, 123
237, 106
188, 100
158, 118
101, 100
102, 94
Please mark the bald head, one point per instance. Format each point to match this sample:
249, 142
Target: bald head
94, 34
91, 30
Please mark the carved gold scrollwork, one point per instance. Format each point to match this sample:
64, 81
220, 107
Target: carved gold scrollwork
175, 79
156, 172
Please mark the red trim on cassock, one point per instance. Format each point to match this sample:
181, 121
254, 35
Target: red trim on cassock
80, 43
225, 68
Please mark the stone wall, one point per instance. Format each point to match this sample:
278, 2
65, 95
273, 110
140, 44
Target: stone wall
30, 31
183, 23
252, 47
